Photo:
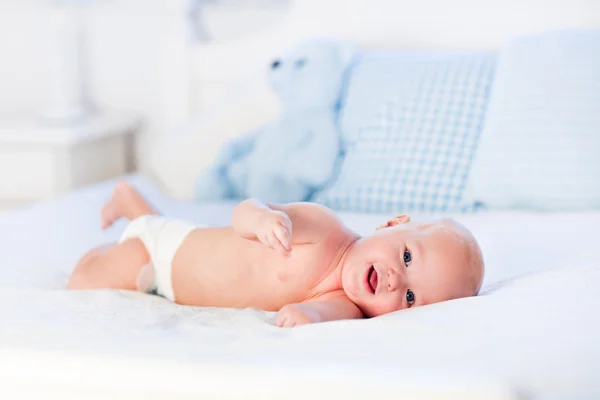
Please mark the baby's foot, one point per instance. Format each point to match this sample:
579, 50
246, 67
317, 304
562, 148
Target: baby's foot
125, 202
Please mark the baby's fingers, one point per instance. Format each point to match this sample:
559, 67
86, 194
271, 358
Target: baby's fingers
269, 239
266, 240
283, 235
284, 321
276, 244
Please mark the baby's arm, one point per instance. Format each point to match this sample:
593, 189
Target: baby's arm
317, 311
281, 225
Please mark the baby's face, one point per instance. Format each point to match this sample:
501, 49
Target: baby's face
407, 265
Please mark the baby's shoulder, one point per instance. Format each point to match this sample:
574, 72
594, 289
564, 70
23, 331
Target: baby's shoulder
313, 223
311, 209
316, 215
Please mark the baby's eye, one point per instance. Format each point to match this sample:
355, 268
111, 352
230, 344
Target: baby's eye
407, 257
410, 297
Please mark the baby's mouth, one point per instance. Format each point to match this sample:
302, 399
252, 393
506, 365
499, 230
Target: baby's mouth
372, 280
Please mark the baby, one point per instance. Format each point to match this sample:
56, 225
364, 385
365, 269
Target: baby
297, 259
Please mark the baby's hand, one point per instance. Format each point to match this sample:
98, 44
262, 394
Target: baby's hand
274, 229
292, 315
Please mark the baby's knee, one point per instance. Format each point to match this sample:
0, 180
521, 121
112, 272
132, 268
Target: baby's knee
77, 281
80, 278
92, 254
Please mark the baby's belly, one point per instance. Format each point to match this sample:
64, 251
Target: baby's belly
217, 268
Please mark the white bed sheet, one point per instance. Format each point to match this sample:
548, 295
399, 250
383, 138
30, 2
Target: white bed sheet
534, 331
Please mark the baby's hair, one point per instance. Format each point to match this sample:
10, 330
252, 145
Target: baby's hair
474, 261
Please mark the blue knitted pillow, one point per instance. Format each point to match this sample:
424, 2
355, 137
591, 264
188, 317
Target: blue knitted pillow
416, 154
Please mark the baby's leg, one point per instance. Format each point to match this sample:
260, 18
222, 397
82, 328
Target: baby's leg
111, 267
125, 202
117, 266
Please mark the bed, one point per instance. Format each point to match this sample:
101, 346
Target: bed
531, 334
533, 331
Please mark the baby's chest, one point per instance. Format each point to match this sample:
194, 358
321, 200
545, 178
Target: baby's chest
250, 274
300, 273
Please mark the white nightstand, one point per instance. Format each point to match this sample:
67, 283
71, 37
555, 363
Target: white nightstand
39, 161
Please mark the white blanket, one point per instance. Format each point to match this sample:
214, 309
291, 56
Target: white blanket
533, 331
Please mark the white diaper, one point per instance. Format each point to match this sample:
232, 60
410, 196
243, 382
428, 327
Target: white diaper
161, 237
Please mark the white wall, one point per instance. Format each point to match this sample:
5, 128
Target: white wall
138, 55
126, 51
21, 72
449, 23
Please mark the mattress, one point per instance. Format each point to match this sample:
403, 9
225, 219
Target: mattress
532, 333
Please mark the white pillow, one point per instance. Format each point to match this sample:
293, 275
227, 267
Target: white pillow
540, 146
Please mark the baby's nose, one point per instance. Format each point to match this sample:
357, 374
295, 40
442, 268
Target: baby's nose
393, 280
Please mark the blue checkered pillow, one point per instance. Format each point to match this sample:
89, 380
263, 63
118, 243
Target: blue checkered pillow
416, 154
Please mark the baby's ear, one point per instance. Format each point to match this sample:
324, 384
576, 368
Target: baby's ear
400, 219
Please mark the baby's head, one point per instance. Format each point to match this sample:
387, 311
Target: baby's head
408, 264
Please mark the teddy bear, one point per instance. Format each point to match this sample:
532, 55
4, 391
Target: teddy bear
294, 156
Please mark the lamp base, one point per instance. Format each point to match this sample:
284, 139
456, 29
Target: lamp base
67, 116
67, 98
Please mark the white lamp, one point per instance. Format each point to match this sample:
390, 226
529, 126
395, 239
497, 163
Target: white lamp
68, 100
